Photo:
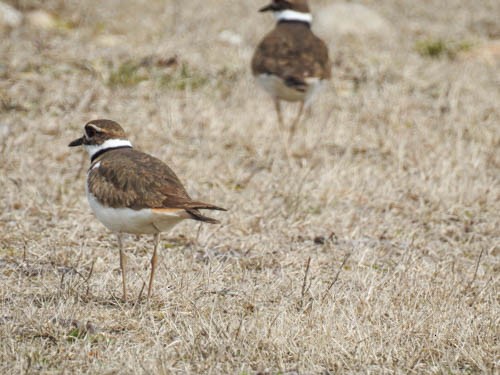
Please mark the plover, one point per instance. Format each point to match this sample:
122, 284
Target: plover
291, 63
133, 192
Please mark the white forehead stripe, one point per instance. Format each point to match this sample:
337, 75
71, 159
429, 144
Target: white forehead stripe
110, 143
292, 15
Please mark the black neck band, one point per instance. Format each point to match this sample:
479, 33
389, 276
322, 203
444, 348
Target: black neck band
100, 152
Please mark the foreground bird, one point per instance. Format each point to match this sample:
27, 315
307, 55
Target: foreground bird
291, 63
133, 192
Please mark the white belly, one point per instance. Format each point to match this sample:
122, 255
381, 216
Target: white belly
277, 88
126, 220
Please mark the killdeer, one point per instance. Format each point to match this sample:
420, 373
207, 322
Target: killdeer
291, 63
133, 192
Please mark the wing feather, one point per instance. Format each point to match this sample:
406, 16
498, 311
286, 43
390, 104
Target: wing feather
292, 53
138, 180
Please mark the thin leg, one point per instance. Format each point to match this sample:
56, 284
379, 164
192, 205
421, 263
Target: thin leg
277, 105
123, 262
154, 261
281, 127
296, 122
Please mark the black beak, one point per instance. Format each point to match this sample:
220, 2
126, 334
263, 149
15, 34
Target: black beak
76, 142
267, 8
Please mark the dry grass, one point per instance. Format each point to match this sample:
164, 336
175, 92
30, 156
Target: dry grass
375, 249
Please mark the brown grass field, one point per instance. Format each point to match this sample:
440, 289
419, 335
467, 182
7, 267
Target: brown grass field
373, 248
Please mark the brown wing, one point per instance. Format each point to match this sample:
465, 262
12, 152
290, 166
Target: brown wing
129, 178
292, 52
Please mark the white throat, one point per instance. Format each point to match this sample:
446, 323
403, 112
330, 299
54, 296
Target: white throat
110, 143
292, 15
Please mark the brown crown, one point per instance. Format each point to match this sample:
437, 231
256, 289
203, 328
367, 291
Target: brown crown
105, 128
99, 131
297, 5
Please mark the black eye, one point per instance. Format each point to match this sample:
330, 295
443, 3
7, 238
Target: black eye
90, 131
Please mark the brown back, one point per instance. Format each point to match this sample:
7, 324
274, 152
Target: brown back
133, 179
292, 52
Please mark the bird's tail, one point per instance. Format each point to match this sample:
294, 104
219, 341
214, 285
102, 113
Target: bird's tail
193, 211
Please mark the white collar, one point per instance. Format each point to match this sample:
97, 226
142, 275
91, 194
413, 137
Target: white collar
292, 15
110, 143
